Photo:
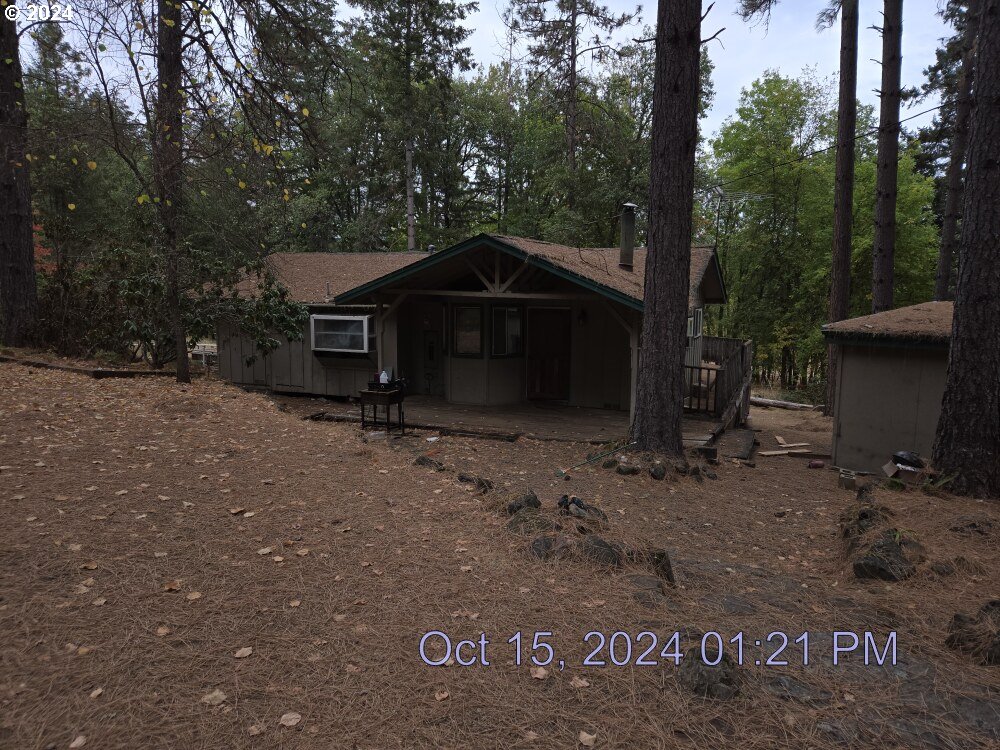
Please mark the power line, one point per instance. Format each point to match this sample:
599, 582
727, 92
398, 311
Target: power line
817, 152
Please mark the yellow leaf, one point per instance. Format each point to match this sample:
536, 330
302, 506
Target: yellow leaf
74, 160
71, 206
243, 185
305, 111
168, 21
303, 225
92, 165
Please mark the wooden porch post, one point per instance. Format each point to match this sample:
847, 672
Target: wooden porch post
633, 340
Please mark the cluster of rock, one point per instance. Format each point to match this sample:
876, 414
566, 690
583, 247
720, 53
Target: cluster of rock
481, 484
877, 549
634, 464
978, 635
572, 531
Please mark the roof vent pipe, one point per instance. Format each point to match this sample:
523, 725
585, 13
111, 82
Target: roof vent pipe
627, 249
431, 248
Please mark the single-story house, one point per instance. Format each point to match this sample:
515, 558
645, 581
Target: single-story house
493, 320
890, 383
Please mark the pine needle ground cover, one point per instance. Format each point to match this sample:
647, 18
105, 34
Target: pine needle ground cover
198, 567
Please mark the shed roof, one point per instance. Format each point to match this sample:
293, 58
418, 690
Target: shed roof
928, 323
316, 278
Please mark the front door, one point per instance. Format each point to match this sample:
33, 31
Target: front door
548, 353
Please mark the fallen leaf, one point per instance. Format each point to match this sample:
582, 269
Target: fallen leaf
96, 692
249, 514
255, 730
302, 552
214, 698
579, 682
193, 595
441, 695
100, 602
75, 547
466, 568
265, 551
89, 565
539, 673
174, 585
244, 652
163, 630
236, 511
83, 650
290, 719
294, 602
79, 741
587, 740
353, 668
278, 558
159, 554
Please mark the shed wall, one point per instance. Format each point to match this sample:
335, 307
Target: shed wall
888, 399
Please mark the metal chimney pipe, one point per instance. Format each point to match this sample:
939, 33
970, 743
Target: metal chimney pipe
627, 249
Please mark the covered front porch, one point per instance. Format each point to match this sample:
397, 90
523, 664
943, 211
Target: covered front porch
536, 421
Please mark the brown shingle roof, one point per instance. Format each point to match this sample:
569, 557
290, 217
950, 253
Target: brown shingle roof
928, 322
306, 275
600, 264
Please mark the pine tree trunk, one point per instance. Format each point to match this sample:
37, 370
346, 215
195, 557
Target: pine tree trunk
659, 397
571, 99
959, 143
968, 435
843, 198
887, 175
168, 166
18, 290
411, 209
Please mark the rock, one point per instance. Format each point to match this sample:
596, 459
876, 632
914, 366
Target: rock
720, 682
709, 473
791, 689
681, 466
866, 492
972, 525
781, 514
429, 462
660, 561
571, 505
859, 519
694, 471
550, 546
658, 472
750, 464
649, 590
599, 551
628, 469
528, 500
884, 559
610, 463
943, 568
483, 485
530, 521
978, 636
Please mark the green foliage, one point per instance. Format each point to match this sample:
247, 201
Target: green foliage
776, 232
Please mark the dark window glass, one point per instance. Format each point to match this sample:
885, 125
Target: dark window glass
468, 331
339, 334
507, 340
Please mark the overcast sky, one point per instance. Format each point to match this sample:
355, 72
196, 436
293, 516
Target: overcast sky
790, 44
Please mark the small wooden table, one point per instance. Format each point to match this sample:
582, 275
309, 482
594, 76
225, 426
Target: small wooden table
375, 399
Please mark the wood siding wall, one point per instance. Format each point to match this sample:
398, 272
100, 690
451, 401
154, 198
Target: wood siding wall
888, 400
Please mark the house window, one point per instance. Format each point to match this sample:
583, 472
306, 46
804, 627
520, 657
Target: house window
699, 321
507, 337
350, 334
468, 332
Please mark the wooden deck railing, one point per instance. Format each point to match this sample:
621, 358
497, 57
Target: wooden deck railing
721, 385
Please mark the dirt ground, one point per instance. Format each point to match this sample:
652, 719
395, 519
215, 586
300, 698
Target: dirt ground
150, 534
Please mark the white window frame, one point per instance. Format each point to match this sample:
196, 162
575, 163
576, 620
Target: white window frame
699, 322
368, 328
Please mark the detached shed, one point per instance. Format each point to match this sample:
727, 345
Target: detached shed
890, 383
